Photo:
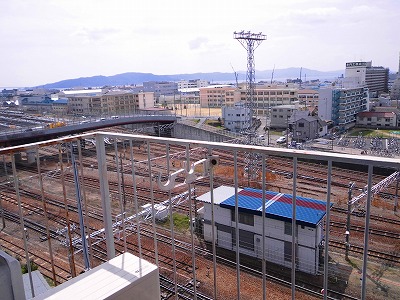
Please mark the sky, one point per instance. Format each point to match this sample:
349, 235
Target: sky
45, 41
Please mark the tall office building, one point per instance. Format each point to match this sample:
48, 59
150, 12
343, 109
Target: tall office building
363, 74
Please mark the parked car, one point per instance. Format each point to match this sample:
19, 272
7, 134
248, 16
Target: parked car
281, 140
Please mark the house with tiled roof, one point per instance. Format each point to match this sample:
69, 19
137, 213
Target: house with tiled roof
377, 119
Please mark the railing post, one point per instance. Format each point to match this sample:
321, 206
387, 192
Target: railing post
349, 206
105, 195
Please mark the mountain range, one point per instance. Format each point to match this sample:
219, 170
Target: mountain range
133, 78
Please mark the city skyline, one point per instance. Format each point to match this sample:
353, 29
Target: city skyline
48, 41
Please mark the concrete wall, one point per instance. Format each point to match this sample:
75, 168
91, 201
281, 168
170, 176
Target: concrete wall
182, 131
11, 285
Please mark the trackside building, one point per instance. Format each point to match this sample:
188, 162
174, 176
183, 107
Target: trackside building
310, 214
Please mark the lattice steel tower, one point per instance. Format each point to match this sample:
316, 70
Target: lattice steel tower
250, 41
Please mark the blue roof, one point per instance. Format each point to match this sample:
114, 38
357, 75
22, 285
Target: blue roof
278, 206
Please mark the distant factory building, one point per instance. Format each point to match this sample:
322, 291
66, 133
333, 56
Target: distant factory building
309, 230
341, 105
39, 104
363, 74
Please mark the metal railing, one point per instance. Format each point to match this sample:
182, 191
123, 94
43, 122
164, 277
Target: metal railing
128, 187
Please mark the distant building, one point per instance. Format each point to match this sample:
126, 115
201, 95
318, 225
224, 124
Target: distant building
83, 92
110, 103
281, 114
60, 106
306, 127
8, 92
236, 118
270, 95
189, 96
192, 83
160, 88
341, 105
395, 91
217, 96
38, 104
308, 97
377, 119
363, 74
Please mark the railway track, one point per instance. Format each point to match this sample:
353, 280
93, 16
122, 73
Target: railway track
389, 257
62, 270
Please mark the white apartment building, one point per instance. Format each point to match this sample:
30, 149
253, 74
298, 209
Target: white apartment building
341, 105
192, 83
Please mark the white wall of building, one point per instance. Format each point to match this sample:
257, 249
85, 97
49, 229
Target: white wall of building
308, 238
325, 104
236, 118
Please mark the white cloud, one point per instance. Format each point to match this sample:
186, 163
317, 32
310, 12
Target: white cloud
197, 43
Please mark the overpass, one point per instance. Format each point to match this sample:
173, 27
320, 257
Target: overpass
20, 137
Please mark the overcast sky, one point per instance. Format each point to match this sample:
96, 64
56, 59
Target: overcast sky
44, 41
